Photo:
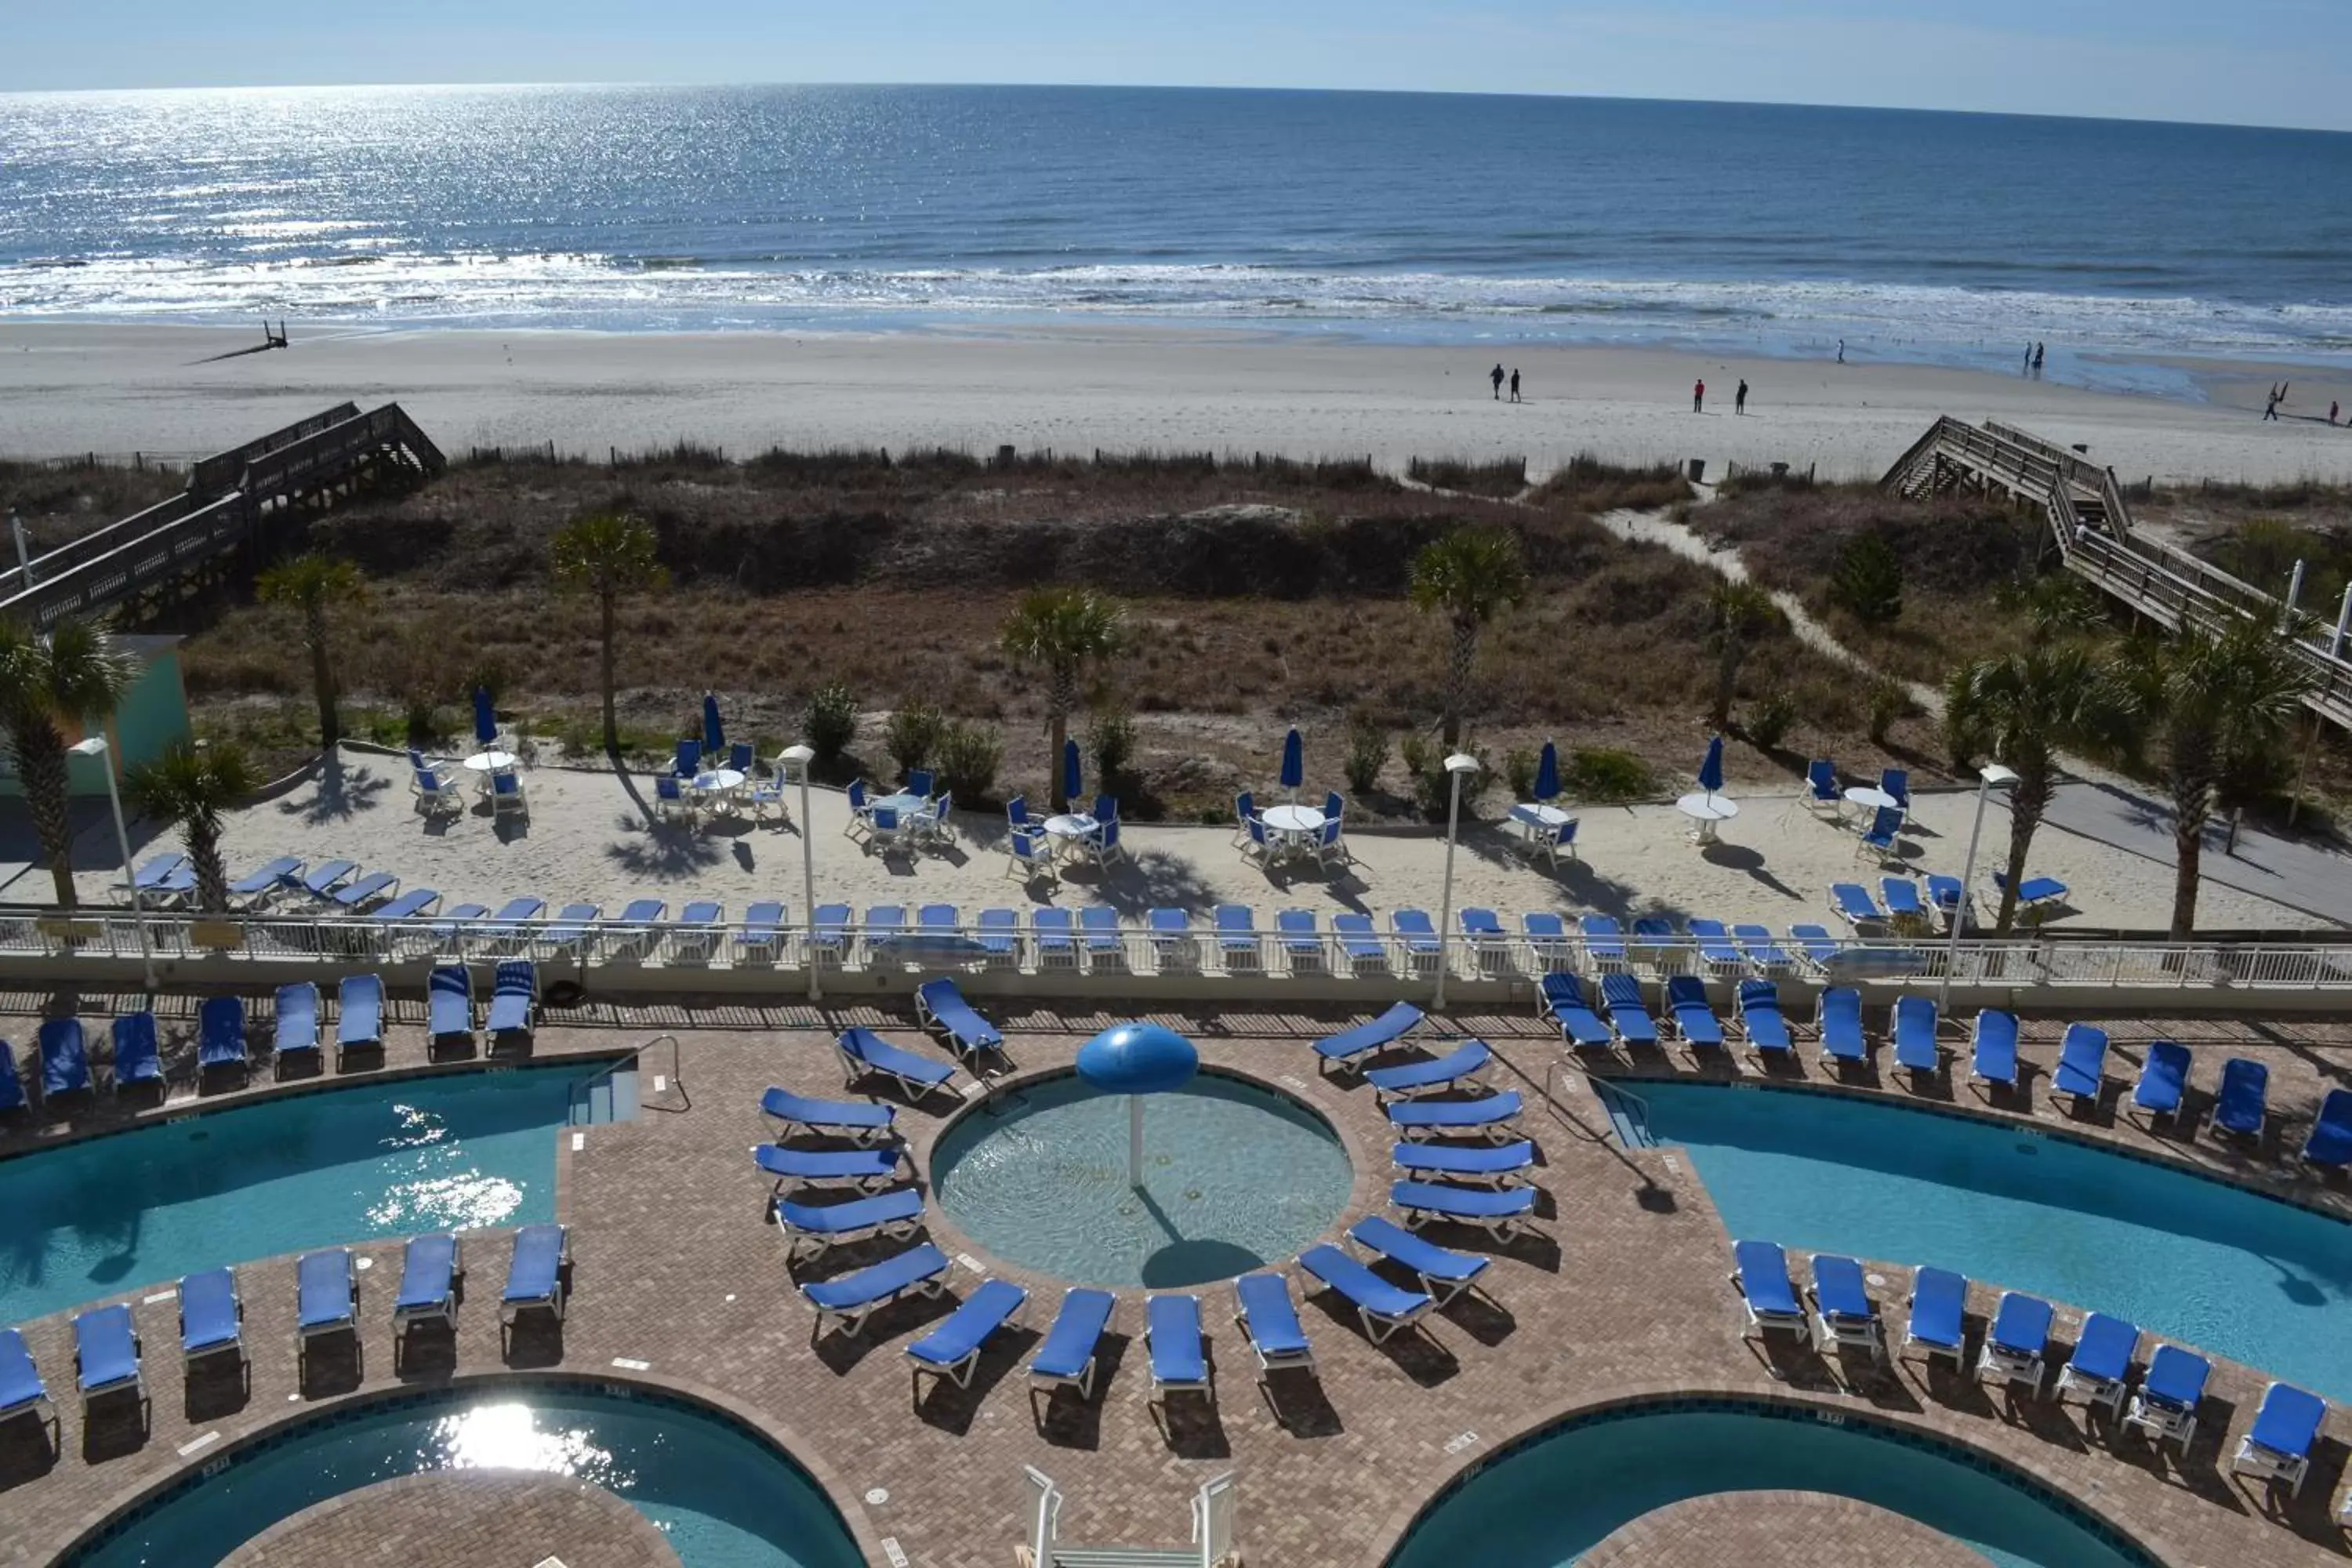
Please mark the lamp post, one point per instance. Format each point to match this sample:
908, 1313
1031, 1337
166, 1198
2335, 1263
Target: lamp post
1456, 766
1992, 777
95, 746
798, 759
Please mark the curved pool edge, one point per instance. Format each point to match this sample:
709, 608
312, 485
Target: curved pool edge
1663, 1395
788, 1443
1369, 1166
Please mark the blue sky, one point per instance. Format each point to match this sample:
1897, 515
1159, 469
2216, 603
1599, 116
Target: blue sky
2272, 62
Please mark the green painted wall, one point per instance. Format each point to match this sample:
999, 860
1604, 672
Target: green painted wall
152, 716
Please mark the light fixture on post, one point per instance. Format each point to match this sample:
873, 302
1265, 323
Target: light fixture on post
796, 760
95, 746
1457, 766
1992, 777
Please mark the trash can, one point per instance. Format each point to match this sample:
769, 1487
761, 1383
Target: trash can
1697, 470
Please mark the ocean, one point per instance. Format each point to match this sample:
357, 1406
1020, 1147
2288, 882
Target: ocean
1945, 237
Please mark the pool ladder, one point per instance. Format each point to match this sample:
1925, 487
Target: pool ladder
676, 1080
1213, 1533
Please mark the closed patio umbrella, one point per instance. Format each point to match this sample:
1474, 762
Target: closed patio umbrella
1294, 761
714, 733
485, 718
1071, 781
1710, 771
1548, 773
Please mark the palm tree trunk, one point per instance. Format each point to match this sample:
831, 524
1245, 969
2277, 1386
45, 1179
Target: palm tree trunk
211, 871
1727, 677
40, 755
1464, 657
322, 679
612, 722
2192, 802
2027, 802
1061, 699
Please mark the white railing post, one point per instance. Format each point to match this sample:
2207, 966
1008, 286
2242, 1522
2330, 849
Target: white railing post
1213, 1519
1045, 1514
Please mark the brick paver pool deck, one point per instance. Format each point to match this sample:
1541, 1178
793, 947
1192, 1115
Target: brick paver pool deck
1623, 1298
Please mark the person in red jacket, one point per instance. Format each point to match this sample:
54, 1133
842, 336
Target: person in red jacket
1699, 397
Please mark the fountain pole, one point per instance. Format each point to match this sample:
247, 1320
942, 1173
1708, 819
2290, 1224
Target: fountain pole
1135, 1141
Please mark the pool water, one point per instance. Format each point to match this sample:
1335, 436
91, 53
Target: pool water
725, 1500
1563, 1495
143, 1207
2236, 1274
1234, 1177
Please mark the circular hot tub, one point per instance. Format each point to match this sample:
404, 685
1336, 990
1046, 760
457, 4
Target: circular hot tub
1235, 1176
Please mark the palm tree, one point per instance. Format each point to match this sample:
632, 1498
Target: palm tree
1060, 629
308, 583
2024, 707
1741, 614
607, 554
73, 676
1469, 576
189, 787
2222, 707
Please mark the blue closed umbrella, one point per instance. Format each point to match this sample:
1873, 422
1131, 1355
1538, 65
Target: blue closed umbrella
1710, 771
1294, 761
1071, 781
485, 718
1548, 773
714, 733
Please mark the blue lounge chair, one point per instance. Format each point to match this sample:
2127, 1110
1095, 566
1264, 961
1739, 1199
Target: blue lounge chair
1841, 1024
1604, 941
1768, 1296
860, 1168
1761, 1023
2277, 1447
1416, 939
1688, 1014
573, 928
2034, 893
12, 1086
1850, 903
1173, 946
2165, 1406
296, 1023
2081, 1065
861, 1119
106, 1354
366, 890
1764, 955
256, 887
326, 1302
1105, 942
22, 1392
2016, 1341
1383, 1307
1843, 1308
2163, 1079
212, 1316
1546, 935
1821, 786
1656, 943
1000, 938
1913, 1028
762, 935
449, 997
1457, 1068
1901, 895
1814, 942
696, 932
1496, 1117
136, 1058
535, 1275
1366, 1039
1629, 1015
895, 1215
65, 1061
514, 1001
845, 1304
220, 1034
1068, 1358
1239, 946
459, 923
1948, 897
1484, 933
1052, 936
1501, 1212
411, 905
1443, 1273
320, 881
953, 1350
2241, 1104
359, 1015
1359, 944
862, 1052
1993, 1048
1715, 948
1878, 839
941, 1005
1939, 1306
2101, 1363
158, 873
639, 927
1268, 1319
1179, 1361
1302, 942
1561, 997
514, 922
1497, 1164
2329, 1147
430, 1268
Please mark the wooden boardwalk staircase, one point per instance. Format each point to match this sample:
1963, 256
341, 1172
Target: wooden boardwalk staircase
234, 499
2091, 528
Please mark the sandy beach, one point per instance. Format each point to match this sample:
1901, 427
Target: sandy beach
120, 389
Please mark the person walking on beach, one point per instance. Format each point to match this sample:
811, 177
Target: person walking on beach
2037, 359
2026, 368
1699, 397
1841, 351
1515, 383
1496, 375
1739, 397
2331, 413
2269, 409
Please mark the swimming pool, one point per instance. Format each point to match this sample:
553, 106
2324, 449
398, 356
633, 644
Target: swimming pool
1564, 1493
437, 1152
1234, 1176
2261, 1282
724, 1499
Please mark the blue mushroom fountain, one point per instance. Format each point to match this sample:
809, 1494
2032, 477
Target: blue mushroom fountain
1138, 1059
